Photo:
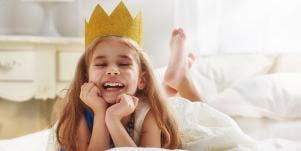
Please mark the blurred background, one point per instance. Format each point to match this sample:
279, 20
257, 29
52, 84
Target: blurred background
41, 40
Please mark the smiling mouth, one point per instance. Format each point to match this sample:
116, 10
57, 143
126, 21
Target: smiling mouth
109, 86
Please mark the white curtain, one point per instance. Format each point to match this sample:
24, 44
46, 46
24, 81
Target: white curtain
240, 26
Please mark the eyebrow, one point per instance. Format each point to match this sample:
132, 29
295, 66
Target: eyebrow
125, 57
99, 57
120, 56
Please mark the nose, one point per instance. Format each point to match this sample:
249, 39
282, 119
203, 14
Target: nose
112, 71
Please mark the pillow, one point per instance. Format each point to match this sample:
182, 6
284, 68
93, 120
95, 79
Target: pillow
276, 96
224, 70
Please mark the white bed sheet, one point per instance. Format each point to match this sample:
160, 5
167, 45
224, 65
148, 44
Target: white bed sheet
263, 128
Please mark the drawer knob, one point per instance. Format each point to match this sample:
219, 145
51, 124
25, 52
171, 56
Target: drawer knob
7, 65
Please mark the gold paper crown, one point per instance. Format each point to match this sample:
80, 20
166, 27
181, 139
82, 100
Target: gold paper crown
119, 23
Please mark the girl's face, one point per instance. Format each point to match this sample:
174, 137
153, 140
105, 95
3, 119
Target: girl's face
114, 69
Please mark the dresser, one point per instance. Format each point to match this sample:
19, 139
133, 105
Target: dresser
33, 67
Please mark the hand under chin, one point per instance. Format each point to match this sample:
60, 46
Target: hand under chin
111, 100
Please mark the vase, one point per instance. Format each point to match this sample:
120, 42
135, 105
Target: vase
27, 18
68, 20
5, 17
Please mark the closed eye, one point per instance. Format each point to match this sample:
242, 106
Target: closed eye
124, 64
100, 65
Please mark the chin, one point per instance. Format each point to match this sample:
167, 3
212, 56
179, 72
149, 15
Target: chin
110, 100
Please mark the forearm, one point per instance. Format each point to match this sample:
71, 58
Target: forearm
100, 135
118, 133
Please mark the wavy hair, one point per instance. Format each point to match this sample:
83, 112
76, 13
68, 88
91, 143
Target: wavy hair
66, 132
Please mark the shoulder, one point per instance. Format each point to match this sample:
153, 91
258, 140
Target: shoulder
150, 133
149, 123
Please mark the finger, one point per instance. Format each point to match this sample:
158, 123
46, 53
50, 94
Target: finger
174, 32
125, 99
83, 90
118, 98
134, 101
130, 101
180, 30
121, 97
84, 87
99, 93
90, 86
94, 90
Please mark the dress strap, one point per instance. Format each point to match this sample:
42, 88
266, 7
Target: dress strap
89, 119
140, 113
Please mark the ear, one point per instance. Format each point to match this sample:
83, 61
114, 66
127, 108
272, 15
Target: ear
142, 80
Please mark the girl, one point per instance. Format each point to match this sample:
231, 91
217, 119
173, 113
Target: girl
114, 100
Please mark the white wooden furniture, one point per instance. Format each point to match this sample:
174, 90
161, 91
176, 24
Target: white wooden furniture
36, 67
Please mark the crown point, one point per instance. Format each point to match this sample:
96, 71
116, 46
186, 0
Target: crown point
98, 13
121, 9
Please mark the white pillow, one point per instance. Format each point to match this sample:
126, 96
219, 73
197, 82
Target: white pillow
276, 96
287, 63
224, 70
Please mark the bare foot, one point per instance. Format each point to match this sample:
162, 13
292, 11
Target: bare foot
180, 61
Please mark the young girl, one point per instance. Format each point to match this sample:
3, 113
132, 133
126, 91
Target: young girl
115, 101
114, 95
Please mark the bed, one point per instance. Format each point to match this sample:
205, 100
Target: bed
261, 93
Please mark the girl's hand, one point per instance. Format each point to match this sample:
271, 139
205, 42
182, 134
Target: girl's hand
125, 105
90, 95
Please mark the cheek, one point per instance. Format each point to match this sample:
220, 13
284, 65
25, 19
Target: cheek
94, 76
133, 80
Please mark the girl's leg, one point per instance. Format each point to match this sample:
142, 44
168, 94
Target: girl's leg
177, 76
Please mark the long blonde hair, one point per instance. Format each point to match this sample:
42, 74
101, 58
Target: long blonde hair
66, 131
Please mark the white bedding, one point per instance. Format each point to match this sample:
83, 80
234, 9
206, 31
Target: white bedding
274, 96
263, 128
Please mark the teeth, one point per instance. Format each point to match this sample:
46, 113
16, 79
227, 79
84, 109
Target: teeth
113, 84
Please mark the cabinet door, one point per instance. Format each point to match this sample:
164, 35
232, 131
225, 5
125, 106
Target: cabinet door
17, 69
16, 65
